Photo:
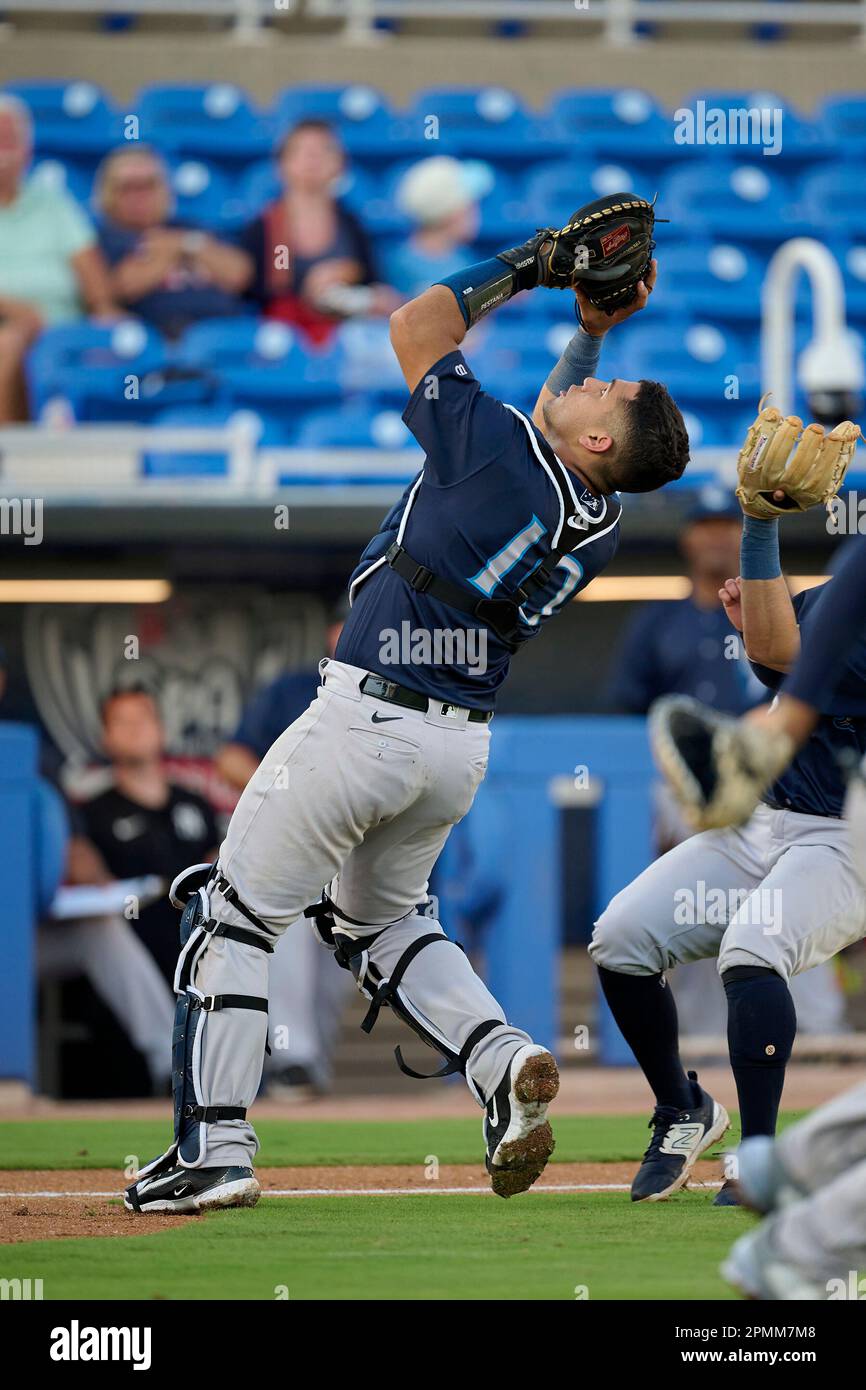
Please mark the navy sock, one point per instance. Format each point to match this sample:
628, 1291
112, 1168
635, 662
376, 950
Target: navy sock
646, 1012
762, 1024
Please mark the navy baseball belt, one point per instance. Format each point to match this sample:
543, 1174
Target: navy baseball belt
395, 694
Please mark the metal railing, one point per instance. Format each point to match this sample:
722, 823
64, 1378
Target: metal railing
618, 17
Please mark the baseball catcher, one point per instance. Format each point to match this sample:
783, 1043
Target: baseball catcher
508, 518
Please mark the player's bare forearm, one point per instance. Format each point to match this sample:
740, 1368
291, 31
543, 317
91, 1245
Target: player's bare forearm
425, 330
770, 629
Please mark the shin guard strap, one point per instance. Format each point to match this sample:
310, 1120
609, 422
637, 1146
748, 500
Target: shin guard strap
212, 1114
458, 1063
387, 989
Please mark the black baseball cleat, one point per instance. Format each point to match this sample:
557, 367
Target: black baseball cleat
727, 1195
518, 1137
679, 1139
191, 1190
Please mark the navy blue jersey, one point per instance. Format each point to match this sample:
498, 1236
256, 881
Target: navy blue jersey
490, 504
814, 782
674, 647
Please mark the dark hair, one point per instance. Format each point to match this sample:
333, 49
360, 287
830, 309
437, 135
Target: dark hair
307, 123
656, 445
119, 692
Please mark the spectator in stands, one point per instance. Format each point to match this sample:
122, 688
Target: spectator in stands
143, 824
441, 196
51, 269
313, 261
169, 273
306, 985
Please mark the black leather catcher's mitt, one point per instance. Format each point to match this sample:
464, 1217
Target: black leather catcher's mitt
716, 767
605, 247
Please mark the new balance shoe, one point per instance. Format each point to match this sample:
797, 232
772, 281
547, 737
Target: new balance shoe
727, 1195
679, 1138
518, 1137
190, 1190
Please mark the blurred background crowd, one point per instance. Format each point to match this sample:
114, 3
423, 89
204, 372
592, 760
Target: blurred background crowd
178, 254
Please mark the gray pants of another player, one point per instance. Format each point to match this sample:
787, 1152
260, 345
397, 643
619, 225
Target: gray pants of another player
825, 1154
780, 891
363, 807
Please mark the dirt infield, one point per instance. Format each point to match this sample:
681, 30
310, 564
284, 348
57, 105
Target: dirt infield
583, 1091
51, 1204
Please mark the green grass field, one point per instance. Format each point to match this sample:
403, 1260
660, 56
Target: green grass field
426, 1246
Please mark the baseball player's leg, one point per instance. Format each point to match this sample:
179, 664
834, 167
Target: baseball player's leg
807, 1155
675, 911
808, 908
318, 791
428, 981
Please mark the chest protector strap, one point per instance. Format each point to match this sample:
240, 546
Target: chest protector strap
502, 615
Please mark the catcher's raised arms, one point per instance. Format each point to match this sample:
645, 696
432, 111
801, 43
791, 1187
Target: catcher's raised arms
605, 247
715, 766
812, 473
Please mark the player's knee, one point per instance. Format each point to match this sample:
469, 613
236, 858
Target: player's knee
621, 943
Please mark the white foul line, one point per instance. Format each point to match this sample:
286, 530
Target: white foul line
382, 1191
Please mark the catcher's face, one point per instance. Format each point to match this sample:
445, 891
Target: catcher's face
583, 423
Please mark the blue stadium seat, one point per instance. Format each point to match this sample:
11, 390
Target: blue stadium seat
479, 123
260, 360
834, 200
710, 280
843, 119
368, 128
852, 259
70, 118
105, 372
214, 121
695, 360
554, 191
70, 177
713, 198
361, 424
618, 124
257, 186
367, 361
203, 195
